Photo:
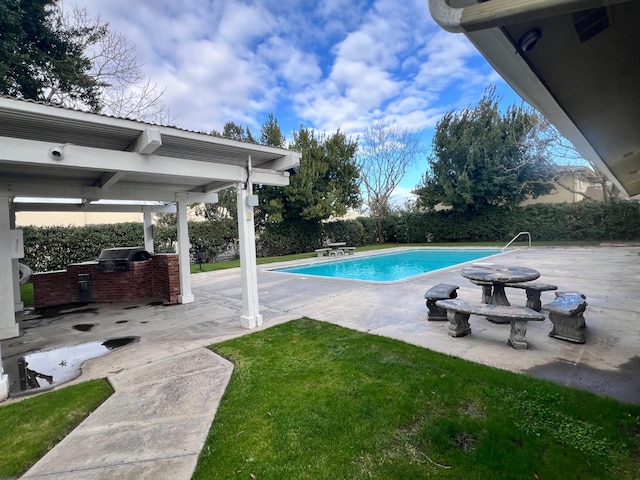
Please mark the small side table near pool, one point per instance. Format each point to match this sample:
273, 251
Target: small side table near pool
498, 276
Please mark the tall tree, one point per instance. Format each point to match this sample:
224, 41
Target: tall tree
386, 152
271, 133
74, 60
227, 206
235, 131
326, 184
124, 89
35, 55
483, 158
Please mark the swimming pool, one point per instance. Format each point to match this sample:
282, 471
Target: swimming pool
390, 267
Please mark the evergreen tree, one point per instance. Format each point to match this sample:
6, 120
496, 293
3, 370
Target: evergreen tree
36, 56
483, 158
325, 185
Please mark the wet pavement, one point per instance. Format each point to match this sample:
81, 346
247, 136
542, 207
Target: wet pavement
168, 386
40, 370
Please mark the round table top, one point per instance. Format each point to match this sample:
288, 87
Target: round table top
499, 273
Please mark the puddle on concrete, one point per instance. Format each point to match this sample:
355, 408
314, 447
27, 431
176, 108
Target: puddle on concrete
131, 307
84, 327
622, 384
122, 321
44, 369
154, 304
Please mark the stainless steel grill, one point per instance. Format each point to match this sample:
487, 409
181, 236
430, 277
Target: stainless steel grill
118, 259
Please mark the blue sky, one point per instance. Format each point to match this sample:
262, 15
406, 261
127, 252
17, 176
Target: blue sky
326, 64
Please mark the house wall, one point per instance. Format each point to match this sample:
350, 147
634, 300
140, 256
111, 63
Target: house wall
154, 278
75, 219
561, 194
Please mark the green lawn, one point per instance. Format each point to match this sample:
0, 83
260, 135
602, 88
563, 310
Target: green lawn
33, 426
310, 400
26, 294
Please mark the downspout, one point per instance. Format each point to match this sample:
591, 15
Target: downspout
497, 13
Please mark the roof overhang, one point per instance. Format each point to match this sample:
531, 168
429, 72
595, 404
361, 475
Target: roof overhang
53, 152
581, 72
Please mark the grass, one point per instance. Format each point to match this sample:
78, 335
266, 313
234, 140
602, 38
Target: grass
31, 427
26, 294
310, 400
210, 267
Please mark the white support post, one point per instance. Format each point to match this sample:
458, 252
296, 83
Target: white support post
251, 317
183, 251
18, 305
8, 326
148, 231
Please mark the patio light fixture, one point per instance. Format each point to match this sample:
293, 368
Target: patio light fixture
529, 40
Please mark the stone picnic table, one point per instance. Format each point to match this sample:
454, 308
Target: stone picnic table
497, 276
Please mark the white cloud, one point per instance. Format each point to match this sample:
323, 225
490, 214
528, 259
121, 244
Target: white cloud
401, 196
329, 64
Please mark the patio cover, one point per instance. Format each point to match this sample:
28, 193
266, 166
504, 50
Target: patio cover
576, 61
58, 153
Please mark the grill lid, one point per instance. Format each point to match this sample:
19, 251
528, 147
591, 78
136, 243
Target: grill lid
132, 254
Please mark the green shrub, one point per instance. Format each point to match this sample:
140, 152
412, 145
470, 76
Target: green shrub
285, 238
53, 248
350, 231
546, 222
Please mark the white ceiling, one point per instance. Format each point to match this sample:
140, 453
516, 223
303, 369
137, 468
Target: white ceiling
583, 74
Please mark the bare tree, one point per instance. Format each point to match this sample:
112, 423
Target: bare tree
574, 165
123, 89
386, 151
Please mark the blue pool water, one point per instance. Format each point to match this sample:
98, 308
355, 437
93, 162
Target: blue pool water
390, 267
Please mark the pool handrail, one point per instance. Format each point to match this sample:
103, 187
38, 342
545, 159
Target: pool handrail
516, 237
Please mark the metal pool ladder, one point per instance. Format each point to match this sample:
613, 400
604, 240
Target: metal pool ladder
515, 238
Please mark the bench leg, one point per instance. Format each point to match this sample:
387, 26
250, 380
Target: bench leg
570, 328
320, 254
533, 300
458, 323
516, 337
435, 312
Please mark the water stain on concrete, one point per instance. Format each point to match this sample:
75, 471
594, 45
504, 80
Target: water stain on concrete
46, 316
84, 327
622, 384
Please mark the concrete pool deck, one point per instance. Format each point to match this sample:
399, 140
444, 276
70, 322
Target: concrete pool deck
168, 387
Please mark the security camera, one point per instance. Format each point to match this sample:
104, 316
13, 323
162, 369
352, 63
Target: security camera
57, 153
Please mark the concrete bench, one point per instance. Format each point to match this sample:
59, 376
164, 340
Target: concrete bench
349, 250
534, 290
566, 315
458, 312
322, 251
442, 291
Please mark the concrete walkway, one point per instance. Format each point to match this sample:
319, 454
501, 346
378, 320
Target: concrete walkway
168, 386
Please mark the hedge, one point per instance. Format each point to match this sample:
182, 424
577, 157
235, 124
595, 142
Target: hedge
52, 248
618, 221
